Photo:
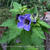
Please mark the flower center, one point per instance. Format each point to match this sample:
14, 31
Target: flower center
27, 21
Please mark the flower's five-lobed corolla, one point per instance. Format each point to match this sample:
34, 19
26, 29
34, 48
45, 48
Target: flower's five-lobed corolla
24, 21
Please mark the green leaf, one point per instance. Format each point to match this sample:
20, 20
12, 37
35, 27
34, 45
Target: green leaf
16, 9
28, 11
44, 24
46, 30
37, 38
31, 48
35, 9
39, 32
26, 37
14, 12
13, 31
16, 5
16, 48
23, 48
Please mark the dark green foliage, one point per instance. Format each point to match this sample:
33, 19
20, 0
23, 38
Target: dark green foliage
13, 31
17, 9
16, 48
23, 48
46, 30
44, 24
48, 6
26, 37
37, 38
31, 48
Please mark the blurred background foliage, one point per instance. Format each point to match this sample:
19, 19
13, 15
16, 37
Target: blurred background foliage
5, 5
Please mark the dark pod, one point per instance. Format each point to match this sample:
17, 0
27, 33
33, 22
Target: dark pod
34, 21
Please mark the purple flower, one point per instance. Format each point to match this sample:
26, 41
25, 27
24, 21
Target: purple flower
25, 22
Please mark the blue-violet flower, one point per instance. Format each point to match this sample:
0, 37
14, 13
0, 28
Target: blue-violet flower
24, 21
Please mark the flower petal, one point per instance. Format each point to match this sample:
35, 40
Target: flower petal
20, 25
21, 18
27, 27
